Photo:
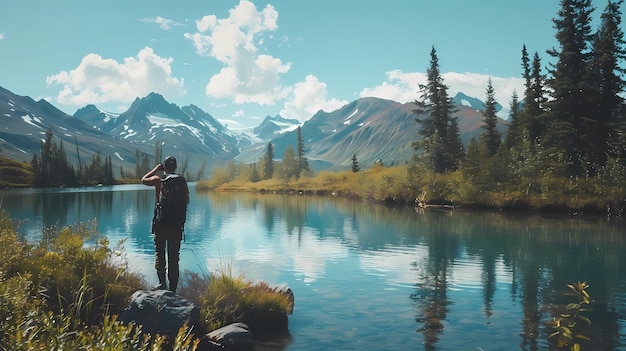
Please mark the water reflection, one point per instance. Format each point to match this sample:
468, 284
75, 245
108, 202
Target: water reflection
367, 275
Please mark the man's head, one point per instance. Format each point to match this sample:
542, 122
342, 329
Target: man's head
169, 164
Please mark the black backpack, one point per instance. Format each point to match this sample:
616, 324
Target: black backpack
171, 210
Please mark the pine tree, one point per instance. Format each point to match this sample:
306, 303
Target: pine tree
254, 174
355, 164
491, 137
438, 108
454, 146
512, 133
533, 114
268, 166
290, 164
303, 164
37, 170
609, 50
158, 152
52, 167
571, 109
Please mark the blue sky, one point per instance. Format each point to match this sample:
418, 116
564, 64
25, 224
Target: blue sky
242, 60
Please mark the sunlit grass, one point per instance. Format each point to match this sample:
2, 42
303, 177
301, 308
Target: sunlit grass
404, 184
225, 298
64, 294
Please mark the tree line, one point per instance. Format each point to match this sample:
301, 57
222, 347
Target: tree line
571, 123
292, 166
52, 169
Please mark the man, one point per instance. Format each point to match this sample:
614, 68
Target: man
172, 197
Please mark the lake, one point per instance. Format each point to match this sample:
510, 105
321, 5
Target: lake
369, 277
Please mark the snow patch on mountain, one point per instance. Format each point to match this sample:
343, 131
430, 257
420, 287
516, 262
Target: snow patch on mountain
128, 132
163, 120
353, 113
31, 120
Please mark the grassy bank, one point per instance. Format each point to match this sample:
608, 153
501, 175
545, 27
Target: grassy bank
410, 185
65, 293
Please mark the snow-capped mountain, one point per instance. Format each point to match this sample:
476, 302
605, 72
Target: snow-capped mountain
26, 121
187, 132
100, 120
274, 126
460, 99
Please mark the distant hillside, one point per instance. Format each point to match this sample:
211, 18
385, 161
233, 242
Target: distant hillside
370, 128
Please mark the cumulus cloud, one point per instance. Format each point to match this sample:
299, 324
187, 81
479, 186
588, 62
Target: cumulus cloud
100, 80
164, 23
309, 97
247, 76
403, 87
1, 36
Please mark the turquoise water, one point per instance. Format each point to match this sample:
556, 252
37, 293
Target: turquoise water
368, 277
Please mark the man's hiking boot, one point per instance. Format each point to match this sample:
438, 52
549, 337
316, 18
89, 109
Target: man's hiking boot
162, 282
160, 287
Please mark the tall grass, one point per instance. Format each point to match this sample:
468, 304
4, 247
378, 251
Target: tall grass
65, 293
225, 298
405, 183
61, 295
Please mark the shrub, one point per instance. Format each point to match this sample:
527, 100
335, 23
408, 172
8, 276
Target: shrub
61, 295
231, 298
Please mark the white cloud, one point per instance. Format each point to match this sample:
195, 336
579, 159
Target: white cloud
1, 36
399, 86
247, 76
403, 87
309, 97
100, 80
164, 23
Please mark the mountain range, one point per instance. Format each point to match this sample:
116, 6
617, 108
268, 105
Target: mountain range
373, 129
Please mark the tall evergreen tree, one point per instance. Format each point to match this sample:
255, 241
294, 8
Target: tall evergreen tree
526, 70
268, 165
300, 147
609, 51
437, 107
491, 137
512, 133
355, 164
454, 145
533, 114
290, 164
303, 163
254, 174
158, 152
37, 170
571, 109
53, 167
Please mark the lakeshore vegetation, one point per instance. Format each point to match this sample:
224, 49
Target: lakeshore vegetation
66, 292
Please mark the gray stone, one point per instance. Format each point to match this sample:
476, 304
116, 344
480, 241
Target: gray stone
233, 337
160, 311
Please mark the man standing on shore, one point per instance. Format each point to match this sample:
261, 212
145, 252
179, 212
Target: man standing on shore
170, 213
